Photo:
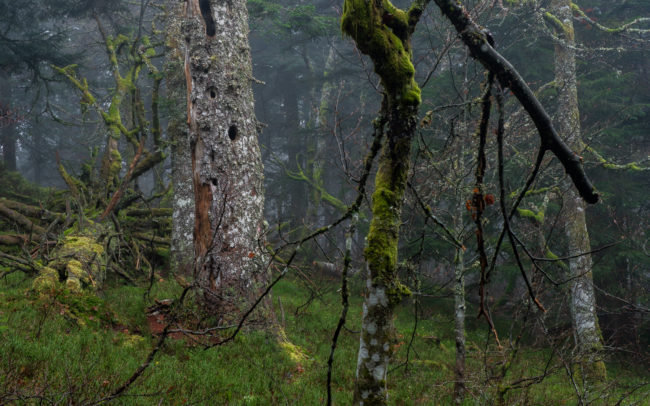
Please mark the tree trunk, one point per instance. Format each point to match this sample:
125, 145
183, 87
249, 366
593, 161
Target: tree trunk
226, 160
297, 190
182, 247
459, 326
389, 47
316, 165
9, 146
583, 299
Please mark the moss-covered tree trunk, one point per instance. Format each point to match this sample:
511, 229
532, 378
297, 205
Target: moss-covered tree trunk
383, 32
226, 159
182, 247
583, 299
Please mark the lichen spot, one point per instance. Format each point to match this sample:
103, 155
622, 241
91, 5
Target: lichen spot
371, 328
378, 373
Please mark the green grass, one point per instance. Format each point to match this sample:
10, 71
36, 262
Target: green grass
74, 349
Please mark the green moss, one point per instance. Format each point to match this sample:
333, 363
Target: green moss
73, 284
116, 162
559, 26
46, 280
81, 245
551, 255
381, 251
531, 215
387, 45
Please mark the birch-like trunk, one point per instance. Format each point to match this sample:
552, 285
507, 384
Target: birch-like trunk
583, 299
226, 159
182, 247
459, 326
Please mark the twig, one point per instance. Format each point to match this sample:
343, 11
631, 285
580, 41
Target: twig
345, 294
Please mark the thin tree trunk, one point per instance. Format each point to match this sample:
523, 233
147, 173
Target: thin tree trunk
583, 299
296, 151
226, 160
9, 141
182, 247
7, 127
459, 326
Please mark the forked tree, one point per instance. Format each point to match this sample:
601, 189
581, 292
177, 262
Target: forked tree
383, 32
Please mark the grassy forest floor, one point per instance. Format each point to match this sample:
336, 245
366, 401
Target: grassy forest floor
63, 348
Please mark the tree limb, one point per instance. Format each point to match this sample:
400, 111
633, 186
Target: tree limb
480, 44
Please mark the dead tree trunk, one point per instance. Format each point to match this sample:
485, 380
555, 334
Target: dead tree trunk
226, 159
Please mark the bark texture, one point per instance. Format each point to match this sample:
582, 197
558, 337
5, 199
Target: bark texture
226, 159
182, 246
583, 299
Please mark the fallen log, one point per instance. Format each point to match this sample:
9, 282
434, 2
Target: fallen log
22, 221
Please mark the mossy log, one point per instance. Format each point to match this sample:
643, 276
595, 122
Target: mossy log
32, 211
79, 262
20, 220
13, 239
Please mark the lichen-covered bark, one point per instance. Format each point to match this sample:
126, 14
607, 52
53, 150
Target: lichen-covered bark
226, 159
583, 300
182, 246
383, 32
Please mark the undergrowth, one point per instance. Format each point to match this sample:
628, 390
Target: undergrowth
64, 348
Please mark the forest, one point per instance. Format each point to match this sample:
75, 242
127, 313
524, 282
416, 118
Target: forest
307, 202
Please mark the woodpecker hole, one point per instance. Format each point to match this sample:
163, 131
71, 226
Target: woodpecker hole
232, 132
206, 13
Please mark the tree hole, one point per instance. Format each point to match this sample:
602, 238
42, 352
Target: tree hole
206, 13
213, 92
232, 132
